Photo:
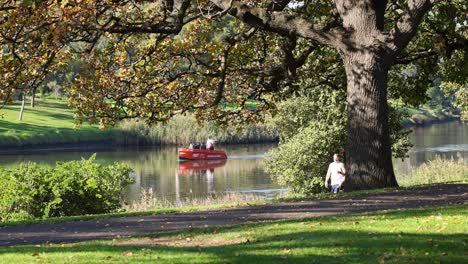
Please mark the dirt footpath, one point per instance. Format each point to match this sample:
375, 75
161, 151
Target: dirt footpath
139, 225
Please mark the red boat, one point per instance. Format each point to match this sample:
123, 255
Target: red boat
201, 154
200, 165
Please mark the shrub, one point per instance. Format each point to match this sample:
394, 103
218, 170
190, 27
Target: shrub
81, 187
313, 127
302, 161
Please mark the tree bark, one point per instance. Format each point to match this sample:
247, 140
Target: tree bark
33, 98
368, 150
23, 102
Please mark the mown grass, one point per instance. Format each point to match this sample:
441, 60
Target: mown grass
49, 122
430, 235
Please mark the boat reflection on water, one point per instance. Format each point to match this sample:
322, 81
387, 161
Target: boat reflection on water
197, 167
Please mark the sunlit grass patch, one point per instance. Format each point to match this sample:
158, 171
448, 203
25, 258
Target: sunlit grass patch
51, 121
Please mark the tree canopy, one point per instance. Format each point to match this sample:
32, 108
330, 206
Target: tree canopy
155, 59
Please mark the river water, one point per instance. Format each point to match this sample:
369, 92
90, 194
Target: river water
160, 170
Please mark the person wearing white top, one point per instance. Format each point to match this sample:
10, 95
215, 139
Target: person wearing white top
210, 143
336, 171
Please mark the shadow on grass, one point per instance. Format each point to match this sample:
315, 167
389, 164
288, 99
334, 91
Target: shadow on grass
302, 247
19, 134
51, 114
285, 242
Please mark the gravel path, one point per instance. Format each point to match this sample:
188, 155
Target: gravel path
139, 225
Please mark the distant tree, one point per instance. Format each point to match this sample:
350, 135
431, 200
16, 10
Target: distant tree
460, 97
155, 59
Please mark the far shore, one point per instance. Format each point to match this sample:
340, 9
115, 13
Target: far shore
110, 143
428, 120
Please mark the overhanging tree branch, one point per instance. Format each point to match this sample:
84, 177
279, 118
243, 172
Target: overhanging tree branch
405, 28
278, 22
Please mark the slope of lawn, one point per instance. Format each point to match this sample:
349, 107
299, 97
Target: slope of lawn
49, 122
431, 235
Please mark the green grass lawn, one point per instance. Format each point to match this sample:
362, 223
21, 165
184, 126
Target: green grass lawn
431, 235
49, 122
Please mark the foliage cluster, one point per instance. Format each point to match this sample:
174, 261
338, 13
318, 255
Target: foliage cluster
312, 128
121, 59
460, 94
302, 161
30, 190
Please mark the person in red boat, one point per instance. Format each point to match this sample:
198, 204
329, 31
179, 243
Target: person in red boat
210, 143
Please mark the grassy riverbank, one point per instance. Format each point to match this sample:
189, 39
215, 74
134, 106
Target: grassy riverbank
425, 115
430, 235
51, 123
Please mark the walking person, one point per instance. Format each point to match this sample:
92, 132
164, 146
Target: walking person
336, 171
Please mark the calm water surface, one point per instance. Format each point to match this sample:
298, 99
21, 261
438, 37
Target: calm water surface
446, 140
243, 172
160, 170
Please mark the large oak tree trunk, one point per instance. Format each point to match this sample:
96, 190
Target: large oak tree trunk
368, 150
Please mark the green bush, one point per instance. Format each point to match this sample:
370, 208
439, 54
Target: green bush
81, 187
302, 161
312, 128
